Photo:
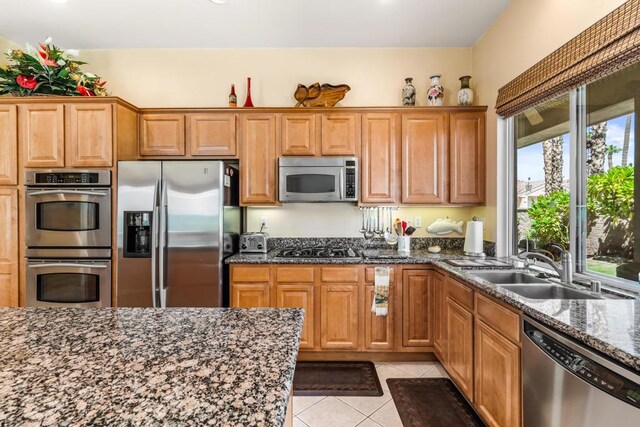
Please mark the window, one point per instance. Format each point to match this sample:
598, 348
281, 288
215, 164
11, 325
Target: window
574, 177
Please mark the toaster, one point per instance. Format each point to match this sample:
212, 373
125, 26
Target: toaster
255, 243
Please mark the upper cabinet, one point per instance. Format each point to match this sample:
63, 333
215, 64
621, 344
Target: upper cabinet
424, 138
211, 134
42, 134
162, 135
467, 158
8, 145
258, 138
89, 135
339, 134
298, 135
379, 160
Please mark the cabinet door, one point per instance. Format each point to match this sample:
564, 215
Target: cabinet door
339, 317
8, 145
378, 330
89, 135
299, 136
423, 152
299, 296
439, 323
497, 377
42, 134
211, 134
467, 158
417, 303
380, 153
9, 247
162, 135
339, 134
460, 346
250, 295
258, 159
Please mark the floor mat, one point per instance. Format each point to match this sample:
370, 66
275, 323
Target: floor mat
336, 379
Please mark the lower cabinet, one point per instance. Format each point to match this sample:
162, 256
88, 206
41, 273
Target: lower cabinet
299, 296
460, 346
378, 330
416, 308
497, 377
439, 330
339, 317
250, 295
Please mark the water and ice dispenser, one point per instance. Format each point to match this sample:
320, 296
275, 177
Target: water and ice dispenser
137, 234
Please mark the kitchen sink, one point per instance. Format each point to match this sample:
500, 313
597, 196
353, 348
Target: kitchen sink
546, 291
507, 277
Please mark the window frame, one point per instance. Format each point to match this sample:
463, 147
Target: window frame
577, 187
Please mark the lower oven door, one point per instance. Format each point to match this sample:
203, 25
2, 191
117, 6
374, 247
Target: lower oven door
68, 283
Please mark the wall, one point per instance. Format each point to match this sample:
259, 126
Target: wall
4, 46
525, 33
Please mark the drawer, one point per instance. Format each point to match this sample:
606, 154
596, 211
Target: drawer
339, 274
369, 275
250, 274
294, 274
460, 293
498, 317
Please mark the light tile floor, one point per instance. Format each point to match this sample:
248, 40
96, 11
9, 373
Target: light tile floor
339, 411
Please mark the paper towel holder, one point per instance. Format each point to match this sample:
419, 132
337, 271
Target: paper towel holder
473, 247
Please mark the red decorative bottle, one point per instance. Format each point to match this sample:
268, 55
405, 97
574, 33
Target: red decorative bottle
233, 99
248, 102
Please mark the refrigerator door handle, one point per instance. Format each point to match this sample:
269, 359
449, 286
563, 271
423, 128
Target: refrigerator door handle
163, 244
154, 248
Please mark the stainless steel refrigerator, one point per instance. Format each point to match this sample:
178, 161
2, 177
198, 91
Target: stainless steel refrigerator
177, 222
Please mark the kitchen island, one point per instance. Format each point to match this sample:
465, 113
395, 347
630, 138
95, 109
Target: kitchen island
130, 366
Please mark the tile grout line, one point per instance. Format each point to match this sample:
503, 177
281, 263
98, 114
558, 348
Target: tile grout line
308, 407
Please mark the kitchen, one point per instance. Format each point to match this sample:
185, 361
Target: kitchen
162, 184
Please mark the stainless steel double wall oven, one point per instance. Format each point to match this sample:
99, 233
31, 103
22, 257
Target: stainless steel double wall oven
68, 238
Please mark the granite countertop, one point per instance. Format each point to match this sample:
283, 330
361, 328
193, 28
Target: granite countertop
136, 366
610, 326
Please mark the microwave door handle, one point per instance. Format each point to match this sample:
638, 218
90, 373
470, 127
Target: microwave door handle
163, 244
154, 246
65, 264
81, 192
341, 184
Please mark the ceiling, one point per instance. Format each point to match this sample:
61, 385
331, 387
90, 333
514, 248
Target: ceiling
109, 24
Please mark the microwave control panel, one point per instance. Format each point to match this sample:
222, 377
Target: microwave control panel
350, 183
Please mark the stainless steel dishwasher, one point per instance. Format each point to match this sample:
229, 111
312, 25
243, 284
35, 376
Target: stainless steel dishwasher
566, 384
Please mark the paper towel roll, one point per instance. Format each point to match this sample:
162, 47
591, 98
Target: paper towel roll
473, 241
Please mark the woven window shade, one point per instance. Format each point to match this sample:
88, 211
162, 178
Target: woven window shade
604, 48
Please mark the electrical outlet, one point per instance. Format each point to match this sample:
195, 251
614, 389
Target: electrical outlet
263, 222
418, 222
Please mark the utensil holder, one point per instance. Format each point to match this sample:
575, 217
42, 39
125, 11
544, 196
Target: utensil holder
404, 244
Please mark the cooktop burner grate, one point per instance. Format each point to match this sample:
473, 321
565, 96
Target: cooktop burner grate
319, 252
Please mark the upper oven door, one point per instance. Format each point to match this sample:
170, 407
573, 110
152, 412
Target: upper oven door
68, 217
311, 184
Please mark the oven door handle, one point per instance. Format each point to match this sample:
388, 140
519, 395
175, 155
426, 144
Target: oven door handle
81, 193
65, 265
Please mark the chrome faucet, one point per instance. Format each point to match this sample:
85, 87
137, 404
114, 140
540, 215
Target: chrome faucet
565, 271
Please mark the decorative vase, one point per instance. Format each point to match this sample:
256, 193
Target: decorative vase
408, 93
233, 99
465, 94
435, 94
248, 102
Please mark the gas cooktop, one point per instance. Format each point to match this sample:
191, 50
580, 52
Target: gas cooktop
317, 253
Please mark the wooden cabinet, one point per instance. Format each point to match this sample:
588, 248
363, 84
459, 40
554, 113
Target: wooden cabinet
295, 289
460, 346
497, 378
250, 295
339, 317
439, 324
162, 135
89, 135
424, 139
298, 135
211, 134
467, 158
258, 136
379, 161
9, 247
417, 303
339, 134
8, 145
42, 135
378, 330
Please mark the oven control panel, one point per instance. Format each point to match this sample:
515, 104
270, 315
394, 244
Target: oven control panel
66, 177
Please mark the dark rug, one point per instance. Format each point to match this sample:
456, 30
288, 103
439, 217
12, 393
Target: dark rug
336, 379
431, 402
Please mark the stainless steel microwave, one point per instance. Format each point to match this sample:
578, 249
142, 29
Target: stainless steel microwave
318, 179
